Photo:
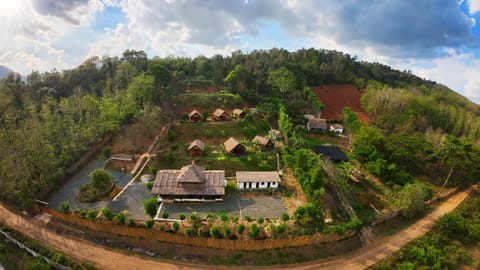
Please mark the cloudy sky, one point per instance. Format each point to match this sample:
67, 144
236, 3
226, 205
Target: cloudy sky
435, 39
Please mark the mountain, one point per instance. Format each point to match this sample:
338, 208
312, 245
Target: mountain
4, 71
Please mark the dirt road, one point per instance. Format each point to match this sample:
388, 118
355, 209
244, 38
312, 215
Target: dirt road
105, 258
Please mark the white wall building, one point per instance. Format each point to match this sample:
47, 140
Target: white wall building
257, 180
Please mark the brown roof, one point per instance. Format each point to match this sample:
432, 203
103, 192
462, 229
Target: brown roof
261, 140
257, 177
198, 144
237, 111
189, 180
192, 113
317, 123
309, 116
218, 112
231, 143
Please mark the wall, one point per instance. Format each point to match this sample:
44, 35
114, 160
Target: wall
200, 241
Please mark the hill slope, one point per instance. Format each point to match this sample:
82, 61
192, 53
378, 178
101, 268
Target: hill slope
4, 71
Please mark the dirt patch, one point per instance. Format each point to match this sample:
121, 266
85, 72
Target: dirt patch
337, 96
297, 196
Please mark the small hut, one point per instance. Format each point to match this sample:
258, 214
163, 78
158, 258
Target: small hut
336, 128
196, 148
194, 116
220, 115
238, 113
262, 141
233, 147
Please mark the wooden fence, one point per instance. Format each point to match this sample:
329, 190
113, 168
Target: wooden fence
204, 242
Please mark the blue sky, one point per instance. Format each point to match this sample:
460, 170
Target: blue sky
436, 39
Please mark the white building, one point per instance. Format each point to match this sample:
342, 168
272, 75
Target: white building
336, 128
257, 180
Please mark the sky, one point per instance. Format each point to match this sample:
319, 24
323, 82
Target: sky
435, 39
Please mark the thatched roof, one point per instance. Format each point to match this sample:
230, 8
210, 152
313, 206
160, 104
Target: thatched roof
257, 177
219, 113
197, 144
189, 180
317, 123
261, 140
231, 144
237, 112
194, 112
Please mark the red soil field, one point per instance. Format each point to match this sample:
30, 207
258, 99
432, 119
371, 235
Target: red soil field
337, 96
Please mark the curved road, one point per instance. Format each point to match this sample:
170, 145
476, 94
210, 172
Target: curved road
105, 258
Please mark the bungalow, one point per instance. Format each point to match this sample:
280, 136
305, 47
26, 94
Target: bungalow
262, 141
317, 123
194, 116
233, 147
220, 115
336, 128
191, 182
196, 148
238, 113
257, 180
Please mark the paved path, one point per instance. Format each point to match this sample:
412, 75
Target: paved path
105, 258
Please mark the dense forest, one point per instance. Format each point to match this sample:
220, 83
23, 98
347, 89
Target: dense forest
49, 120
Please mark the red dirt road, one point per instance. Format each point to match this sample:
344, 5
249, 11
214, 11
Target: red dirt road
105, 258
337, 96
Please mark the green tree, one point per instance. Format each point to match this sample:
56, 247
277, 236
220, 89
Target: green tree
65, 207
150, 207
282, 80
411, 199
240, 228
99, 178
176, 226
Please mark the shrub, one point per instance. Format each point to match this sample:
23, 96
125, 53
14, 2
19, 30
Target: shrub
188, 232
162, 228
215, 232
176, 226
182, 217
107, 213
149, 223
150, 206
285, 217
193, 217
106, 152
65, 207
260, 220
240, 228
131, 222
152, 169
200, 232
226, 231
223, 217
149, 185
92, 215
120, 218
280, 229
165, 215
249, 218
254, 231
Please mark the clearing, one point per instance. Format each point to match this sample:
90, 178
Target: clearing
337, 96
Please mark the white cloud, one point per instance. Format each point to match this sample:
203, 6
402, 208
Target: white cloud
474, 6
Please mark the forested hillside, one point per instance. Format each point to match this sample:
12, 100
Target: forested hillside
48, 121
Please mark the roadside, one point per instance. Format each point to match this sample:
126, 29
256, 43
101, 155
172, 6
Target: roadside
108, 259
